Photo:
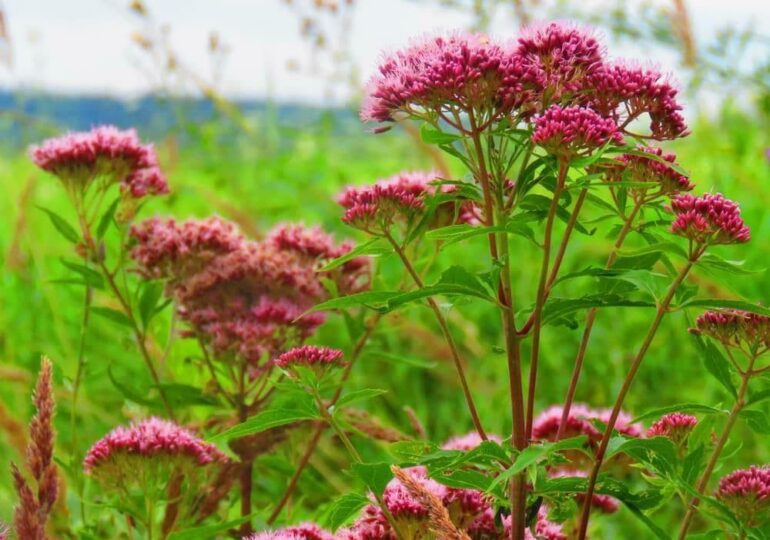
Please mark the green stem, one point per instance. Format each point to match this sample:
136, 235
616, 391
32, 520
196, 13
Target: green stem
635, 364
445, 331
537, 316
740, 403
76, 392
589, 324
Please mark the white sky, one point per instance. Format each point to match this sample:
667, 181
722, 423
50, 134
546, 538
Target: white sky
85, 45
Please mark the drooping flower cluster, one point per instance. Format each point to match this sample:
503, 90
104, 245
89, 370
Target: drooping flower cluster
652, 176
676, 426
304, 531
243, 297
573, 131
708, 219
550, 65
736, 328
149, 439
106, 155
747, 493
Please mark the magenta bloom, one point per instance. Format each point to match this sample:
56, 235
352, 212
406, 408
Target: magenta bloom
708, 219
79, 159
556, 59
572, 131
468, 442
747, 493
662, 179
463, 71
152, 438
734, 328
305, 531
377, 207
546, 425
310, 355
625, 93
676, 426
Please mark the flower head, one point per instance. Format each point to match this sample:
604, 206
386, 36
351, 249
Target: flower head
310, 355
676, 426
397, 199
708, 219
546, 425
104, 153
467, 71
735, 327
544, 529
468, 442
653, 175
573, 131
556, 59
747, 493
149, 439
625, 93
304, 531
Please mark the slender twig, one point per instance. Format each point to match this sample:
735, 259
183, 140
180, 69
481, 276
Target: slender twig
589, 324
87, 296
320, 427
635, 364
445, 331
537, 315
740, 403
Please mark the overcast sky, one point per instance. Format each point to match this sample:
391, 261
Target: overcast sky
85, 45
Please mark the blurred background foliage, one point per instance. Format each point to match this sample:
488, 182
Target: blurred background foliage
259, 162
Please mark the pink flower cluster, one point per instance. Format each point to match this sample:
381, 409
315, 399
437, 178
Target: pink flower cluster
105, 152
747, 493
735, 328
676, 426
580, 422
708, 219
468, 442
551, 64
660, 178
305, 531
309, 355
573, 131
151, 438
244, 297
469, 510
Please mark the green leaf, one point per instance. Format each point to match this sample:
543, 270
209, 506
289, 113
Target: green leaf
715, 262
558, 308
374, 475
371, 299
641, 516
148, 301
757, 421
657, 452
372, 248
183, 395
90, 276
464, 479
659, 247
359, 395
206, 532
716, 303
271, 418
535, 453
113, 315
59, 223
430, 135
716, 364
682, 407
106, 219
456, 233
343, 509
135, 395
456, 280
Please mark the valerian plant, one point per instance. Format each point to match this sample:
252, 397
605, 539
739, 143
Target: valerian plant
549, 133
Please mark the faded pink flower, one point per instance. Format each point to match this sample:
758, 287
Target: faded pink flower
151, 438
304, 531
462, 71
623, 424
468, 442
103, 154
603, 503
735, 328
546, 425
556, 59
543, 528
311, 242
708, 219
660, 178
573, 131
310, 355
747, 493
625, 93
676, 426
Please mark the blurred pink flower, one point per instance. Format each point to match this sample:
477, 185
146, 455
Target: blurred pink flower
468, 442
309, 355
304, 531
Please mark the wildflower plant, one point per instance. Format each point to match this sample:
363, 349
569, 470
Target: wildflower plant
549, 139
